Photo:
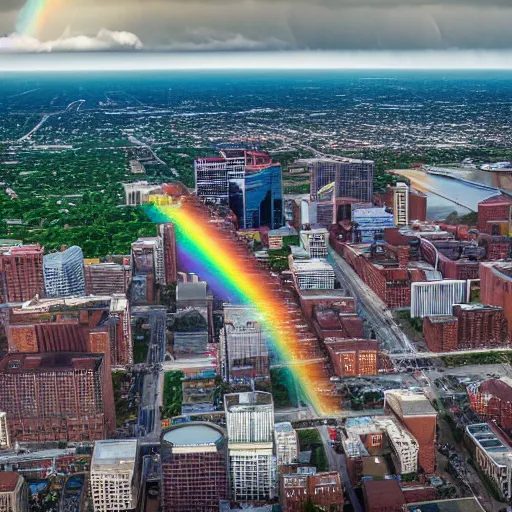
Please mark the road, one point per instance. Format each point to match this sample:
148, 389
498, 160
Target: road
45, 118
371, 308
337, 462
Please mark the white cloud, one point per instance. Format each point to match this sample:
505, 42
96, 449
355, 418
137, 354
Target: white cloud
103, 40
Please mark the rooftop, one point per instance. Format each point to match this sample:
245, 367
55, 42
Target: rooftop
409, 403
8, 481
456, 505
58, 258
241, 400
22, 362
193, 434
191, 291
114, 452
442, 319
497, 199
312, 265
489, 441
285, 426
37, 305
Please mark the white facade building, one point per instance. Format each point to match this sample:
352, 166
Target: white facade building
115, 476
250, 425
287, 443
401, 204
493, 456
315, 242
313, 274
432, 298
5, 440
64, 274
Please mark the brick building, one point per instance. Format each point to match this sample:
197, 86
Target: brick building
302, 485
493, 214
107, 279
194, 467
383, 496
418, 416
168, 236
480, 326
57, 397
14, 492
353, 358
85, 324
440, 333
21, 273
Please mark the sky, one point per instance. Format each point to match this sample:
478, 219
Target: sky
347, 26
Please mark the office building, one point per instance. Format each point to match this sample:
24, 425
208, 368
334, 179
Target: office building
21, 273
353, 357
493, 456
64, 274
168, 235
115, 476
14, 492
107, 279
57, 397
81, 324
248, 182
417, 415
243, 345
440, 333
315, 242
313, 274
352, 178
250, 424
194, 461
401, 204
5, 438
148, 269
287, 444
436, 297
301, 486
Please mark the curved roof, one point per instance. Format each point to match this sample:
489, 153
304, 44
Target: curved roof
193, 435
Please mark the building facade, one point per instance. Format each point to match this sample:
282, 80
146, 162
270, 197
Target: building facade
21, 273
313, 274
401, 204
287, 444
247, 182
57, 397
14, 492
195, 472
107, 279
5, 438
436, 297
64, 274
115, 476
250, 424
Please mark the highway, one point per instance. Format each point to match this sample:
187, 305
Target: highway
371, 308
337, 462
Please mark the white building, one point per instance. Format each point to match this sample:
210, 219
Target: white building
313, 274
432, 298
5, 440
404, 447
115, 475
64, 274
315, 242
493, 455
401, 204
13, 492
138, 192
250, 424
287, 443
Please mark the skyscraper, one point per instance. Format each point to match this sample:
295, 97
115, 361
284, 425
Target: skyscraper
248, 182
115, 475
64, 274
194, 467
170, 256
21, 273
250, 423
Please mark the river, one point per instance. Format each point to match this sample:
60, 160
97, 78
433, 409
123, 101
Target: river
446, 195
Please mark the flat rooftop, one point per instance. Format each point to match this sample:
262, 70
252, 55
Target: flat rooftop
409, 403
456, 505
115, 452
27, 362
247, 399
191, 291
489, 441
8, 481
193, 435
285, 426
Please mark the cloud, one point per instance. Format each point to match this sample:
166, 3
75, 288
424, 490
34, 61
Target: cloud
103, 40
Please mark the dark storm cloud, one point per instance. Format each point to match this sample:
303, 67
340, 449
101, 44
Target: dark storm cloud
288, 24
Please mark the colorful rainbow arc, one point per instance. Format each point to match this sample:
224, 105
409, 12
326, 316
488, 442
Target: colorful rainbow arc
233, 276
34, 15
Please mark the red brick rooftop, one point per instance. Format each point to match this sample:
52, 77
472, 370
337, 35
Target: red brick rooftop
8, 481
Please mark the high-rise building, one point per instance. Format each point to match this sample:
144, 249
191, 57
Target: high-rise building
81, 324
14, 492
250, 423
313, 274
57, 397
107, 278
64, 274
287, 443
115, 475
21, 273
194, 462
352, 178
401, 204
248, 182
243, 345
148, 269
168, 235
419, 417
5, 439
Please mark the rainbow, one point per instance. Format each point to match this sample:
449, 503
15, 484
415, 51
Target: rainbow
233, 275
34, 15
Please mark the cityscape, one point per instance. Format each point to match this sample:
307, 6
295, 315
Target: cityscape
255, 256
